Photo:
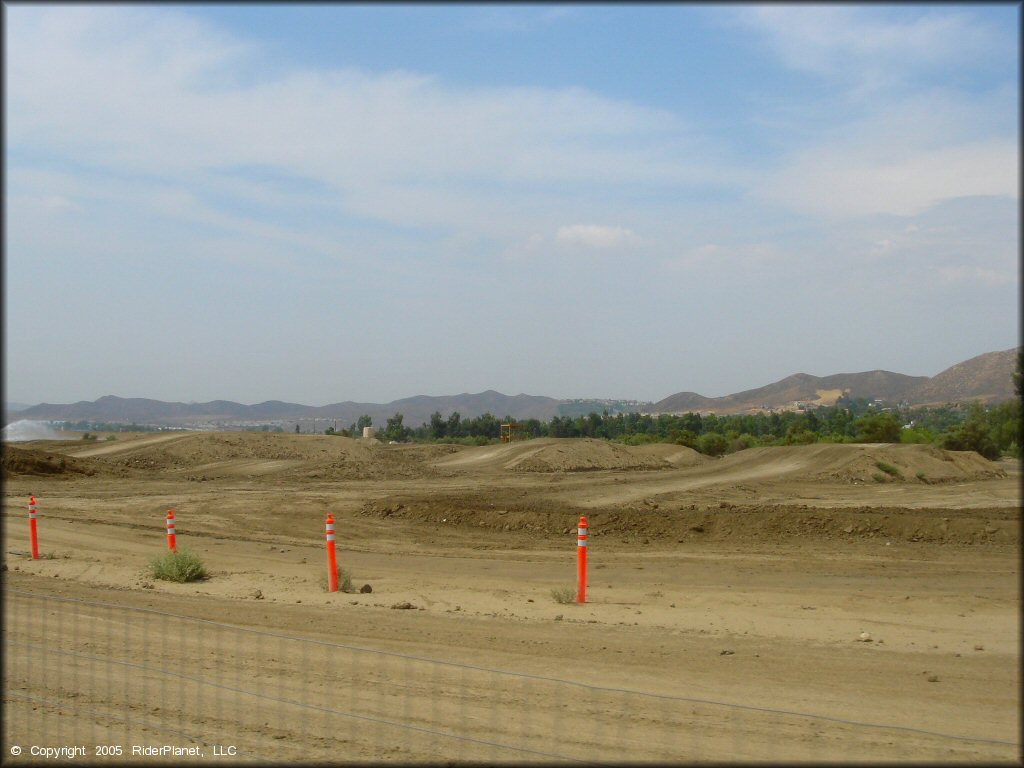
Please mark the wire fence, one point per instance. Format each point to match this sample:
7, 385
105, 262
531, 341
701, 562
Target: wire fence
126, 683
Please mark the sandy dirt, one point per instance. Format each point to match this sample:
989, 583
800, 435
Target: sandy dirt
810, 603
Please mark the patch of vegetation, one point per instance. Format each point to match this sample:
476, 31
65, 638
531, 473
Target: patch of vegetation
344, 581
878, 478
564, 595
180, 566
920, 475
889, 469
111, 437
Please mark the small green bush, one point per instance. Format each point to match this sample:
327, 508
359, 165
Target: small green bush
564, 595
344, 581
878, 478
180, 566
889, 469
920, 475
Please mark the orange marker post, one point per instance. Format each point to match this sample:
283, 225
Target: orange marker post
332, 562
32, 527
170, 530
581, 562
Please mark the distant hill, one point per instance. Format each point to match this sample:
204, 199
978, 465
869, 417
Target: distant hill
987, 377
415, 410
12, 411
800, 387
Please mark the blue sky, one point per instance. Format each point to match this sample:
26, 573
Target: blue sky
318, 203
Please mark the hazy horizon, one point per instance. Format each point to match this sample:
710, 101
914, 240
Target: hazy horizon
16, 406
329, 203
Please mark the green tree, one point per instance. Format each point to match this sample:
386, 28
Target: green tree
972, 435
438, 426
1005, 427
486, 426
712, 444
394, 429
361, 422
878, 428
742, 442
799, 434
917, 434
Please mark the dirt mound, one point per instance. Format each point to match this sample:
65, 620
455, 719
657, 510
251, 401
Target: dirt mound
26, 461
676, 455
210, 455
554, 454
862, 463
666, 525
899, 463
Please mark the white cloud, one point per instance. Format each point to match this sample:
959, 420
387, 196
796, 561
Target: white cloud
713, 255
59, 204
872, 46
849, 181
158, 99
595, 235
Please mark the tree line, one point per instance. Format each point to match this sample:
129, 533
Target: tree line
992, 432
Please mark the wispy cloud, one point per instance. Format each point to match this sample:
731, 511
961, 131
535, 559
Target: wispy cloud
854, 181
869, 47
970, 274
887, 139
519, 19
730, 258
595, 235
397, 146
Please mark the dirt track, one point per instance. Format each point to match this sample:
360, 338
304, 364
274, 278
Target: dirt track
781, 556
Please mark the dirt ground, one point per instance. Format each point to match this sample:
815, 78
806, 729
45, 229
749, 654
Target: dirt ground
808, 603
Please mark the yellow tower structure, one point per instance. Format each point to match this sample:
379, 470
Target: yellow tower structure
510, 432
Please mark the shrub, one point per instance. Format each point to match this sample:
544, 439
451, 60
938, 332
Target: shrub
712, 444
180, 566
889, 469
878, 478
564, 595
344, 581
878, 428
742, 442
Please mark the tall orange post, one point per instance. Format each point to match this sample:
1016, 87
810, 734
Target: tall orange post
581, 562
170, 530
332, 562
32, 527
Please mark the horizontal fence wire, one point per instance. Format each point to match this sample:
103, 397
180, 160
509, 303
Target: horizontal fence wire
90, 673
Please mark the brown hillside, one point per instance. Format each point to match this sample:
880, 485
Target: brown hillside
799, 387
987, 377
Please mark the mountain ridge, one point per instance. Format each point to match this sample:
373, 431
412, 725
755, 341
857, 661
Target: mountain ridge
986, 377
